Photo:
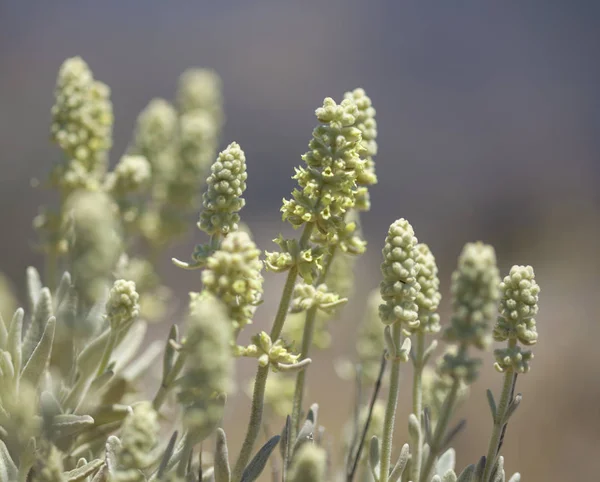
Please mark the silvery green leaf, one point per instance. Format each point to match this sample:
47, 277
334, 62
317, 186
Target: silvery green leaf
27, 459
305, 435
512, 407
516, 477
89, 358
491, 403
63, 288
102, 474
208, 475
468, 474
257, 464
43, 311
7, 370
436, 478
169, 353
429, 351
374, 457
111, 413
427, 424
449, 476
14, 339
66, 313
112, 447
33, 370
414, 427
400, 464
142, 363
405, 349
70, 424
125, 351
3, 334
221, 463
34, 287
390, 345
164, 461
8, 469
446, 462
95, 319
498, 474
82, 472
285, 441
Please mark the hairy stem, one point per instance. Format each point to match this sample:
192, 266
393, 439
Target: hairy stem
441, 426
255, 423
262, 374
390, 409
499, 421
417, 404
307, 338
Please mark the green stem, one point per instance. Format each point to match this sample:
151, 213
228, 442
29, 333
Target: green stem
417, 403
307, 338
499, 422
442, 425
390, 409
260, 382
255, 423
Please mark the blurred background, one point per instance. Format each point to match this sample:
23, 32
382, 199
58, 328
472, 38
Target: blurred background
488, 116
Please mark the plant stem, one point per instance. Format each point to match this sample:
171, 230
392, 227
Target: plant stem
390, 409
262, 374
499, 421
417, 403
441, 425
307, 338
255, 423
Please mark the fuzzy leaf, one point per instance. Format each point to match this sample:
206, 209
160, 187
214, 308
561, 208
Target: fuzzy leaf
164, 461
491, 403
14, 339
70, 424
222, 469
8, 469
34, 369
112, 447
34, 287
498, 474
3, 334
43, 311
468, 474
63, 288
257, 464
449, 476
81, 473
414, 427
516, 477
446, 462
400, 464
374, 457
66, 312
285, 442
305, 434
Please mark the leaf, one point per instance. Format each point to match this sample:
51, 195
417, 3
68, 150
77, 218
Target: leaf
63, 288
449, 476
112, 447
498, 474
34, 369
81, 473
15, 331
305, 434
8, 469
400, 464
128, 346
313, 414
257, 464
491, 403
454, 432
374, 457
70, 424
285, 442
34, 287
516, 477
446, 462
468, 474
43, 311
66, 313
143, 362
169, 353
3, 334
414, 428
221, 462
164, 461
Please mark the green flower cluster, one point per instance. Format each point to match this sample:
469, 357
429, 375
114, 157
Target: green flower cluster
428, 299
82, 119
516, 323
271, 353
307, 296
400, 288
131, 174
233, 274
139, 440
333, 164
208, 370
122, 306
223, 197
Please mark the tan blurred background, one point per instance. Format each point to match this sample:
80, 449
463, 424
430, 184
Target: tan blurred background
488, 114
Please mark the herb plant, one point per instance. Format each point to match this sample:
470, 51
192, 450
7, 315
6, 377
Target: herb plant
72, 405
